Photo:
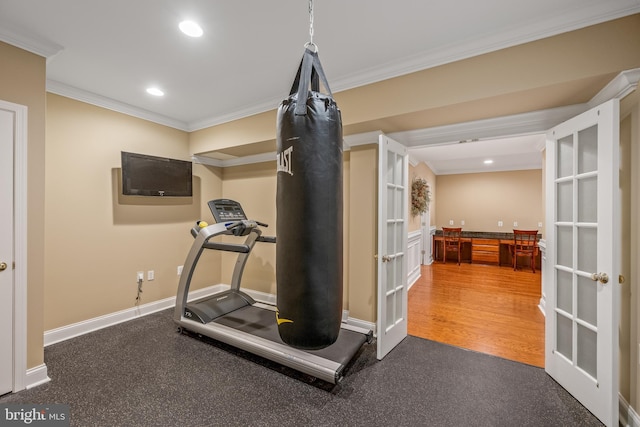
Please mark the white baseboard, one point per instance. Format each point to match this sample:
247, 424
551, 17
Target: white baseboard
361, 324
628, 417
36, 376
76, 329
413, 279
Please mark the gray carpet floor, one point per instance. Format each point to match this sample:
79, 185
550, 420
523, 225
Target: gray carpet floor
143, 373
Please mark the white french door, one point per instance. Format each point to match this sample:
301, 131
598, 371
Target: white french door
6, 250
583, 217
392, 244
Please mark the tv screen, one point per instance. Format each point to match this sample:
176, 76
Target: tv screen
144, 175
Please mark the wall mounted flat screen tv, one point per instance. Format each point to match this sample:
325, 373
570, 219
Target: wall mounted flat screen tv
144, 175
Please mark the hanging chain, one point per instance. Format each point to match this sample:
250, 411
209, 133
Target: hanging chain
311, 26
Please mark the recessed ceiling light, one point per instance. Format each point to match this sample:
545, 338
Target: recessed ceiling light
155, 91
190, 28
488, 162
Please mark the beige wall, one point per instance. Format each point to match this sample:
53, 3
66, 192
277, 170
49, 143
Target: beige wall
423, 171
22, 81
254, 186
96, 239
483, 199
363, 231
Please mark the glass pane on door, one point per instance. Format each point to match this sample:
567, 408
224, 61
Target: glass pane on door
587, 300
564, 236
564, 336
564, 201
588, 199
588, 150
587, 350
565, 157
587, 248
564, 295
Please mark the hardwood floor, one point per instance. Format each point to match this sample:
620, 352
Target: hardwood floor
485, 308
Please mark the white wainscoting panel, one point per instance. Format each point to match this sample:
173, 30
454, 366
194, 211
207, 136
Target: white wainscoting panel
414, 254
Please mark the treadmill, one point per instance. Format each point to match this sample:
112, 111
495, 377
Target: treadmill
235, 318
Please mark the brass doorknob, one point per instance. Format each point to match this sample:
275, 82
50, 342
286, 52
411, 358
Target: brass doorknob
600, 277
3, 266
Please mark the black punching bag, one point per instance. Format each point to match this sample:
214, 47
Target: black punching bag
309, 211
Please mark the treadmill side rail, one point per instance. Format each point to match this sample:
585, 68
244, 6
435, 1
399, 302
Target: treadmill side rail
324, 369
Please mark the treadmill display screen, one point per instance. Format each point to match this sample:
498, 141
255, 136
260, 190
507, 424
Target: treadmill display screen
226, 210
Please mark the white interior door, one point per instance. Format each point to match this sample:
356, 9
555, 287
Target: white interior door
583, 222
393, 205
6, 250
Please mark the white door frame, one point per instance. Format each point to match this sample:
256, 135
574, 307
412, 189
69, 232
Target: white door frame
527, 123
597, 390
388, 336
20, 244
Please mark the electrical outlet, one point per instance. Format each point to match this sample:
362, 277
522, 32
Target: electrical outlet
499, 223
140, 276
180, 270
450, 222
515, 223
462, 222
151, 275
539, 224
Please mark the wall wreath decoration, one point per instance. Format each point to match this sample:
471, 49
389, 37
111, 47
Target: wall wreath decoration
420, 196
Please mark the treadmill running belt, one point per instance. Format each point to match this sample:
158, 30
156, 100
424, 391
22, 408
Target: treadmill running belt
262, 323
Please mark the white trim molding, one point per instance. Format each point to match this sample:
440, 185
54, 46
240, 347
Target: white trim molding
628, 417
542, 244
20, 272
517, 124
414, 250
37, 376
91, 325
76, 329
622, 85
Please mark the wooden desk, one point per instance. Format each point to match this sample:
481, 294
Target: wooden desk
465, 250
482, 248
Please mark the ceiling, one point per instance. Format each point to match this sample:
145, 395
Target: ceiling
109, 52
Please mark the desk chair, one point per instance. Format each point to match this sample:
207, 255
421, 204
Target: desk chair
524, 245
451, 242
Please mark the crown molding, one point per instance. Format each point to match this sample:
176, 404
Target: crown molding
111, 104
571, 21
39, 46
622, 85
361, 139
517, 124
238, 161
483, 170
258, 108
577, 19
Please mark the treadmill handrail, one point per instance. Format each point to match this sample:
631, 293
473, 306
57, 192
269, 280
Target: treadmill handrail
229, 247
266, 239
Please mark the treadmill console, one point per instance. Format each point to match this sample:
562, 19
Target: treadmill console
225, 210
